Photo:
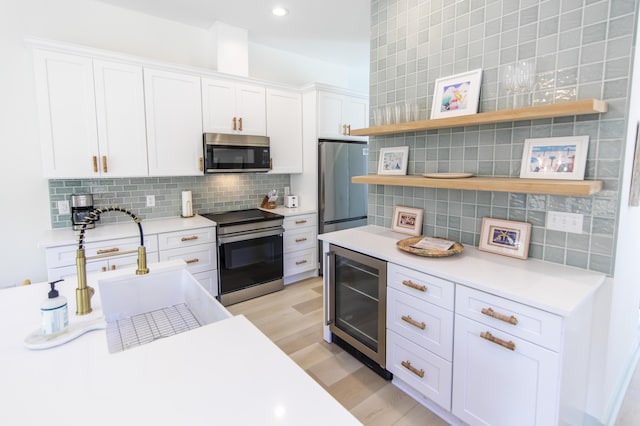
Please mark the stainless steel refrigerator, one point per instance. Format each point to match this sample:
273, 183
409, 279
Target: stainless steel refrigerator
341, 204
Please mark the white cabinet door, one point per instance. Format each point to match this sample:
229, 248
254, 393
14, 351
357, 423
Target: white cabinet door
284, 128
67, 115
229, 107
338, 114
121, 122
496, 385
218, 106
174, 123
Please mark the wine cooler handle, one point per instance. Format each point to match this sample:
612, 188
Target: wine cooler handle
327, 314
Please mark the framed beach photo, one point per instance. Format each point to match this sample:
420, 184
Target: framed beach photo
505, 237
456, 95
393, 161
407, 220
555, 158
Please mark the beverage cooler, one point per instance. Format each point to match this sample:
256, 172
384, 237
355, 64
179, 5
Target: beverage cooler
356, 286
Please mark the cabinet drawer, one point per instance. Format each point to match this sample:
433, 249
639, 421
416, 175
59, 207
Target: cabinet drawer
199, 258
299, 239
534, 325
66, 255
425, 372
426, 287
293, 222
421, 322
300, 261
189, 237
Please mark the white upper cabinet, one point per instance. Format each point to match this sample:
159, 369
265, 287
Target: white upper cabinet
91, 116
67, 115
230, 107
174, 123
284, 128
338, 114
122, 137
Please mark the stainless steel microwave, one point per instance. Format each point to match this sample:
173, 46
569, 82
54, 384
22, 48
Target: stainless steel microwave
224, 153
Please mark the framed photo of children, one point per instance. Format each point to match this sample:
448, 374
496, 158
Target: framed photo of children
393, 161
555, 158
407, 220
456, 95
505, 237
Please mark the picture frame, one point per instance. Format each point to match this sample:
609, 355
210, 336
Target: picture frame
393, 161
555, 158
505, 237
456, 95
407, 220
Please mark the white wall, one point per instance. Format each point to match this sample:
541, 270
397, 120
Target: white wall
94, 24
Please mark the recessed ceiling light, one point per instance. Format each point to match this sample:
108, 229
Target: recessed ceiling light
279, 11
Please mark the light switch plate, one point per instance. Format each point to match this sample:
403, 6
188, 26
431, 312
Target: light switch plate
565, 222
63, 207
151, 200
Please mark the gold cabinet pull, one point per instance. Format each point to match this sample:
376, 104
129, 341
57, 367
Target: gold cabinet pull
270, 163
196, 260
344, 129
95, 164
109, 250
113, 267
413, 285
240, 123
488, 336
301, 262
234, 123
348, 129
191, 238
502, 317
420, 325
201, 164
408, 366
104, 164
300, 222
299, 240
104, 269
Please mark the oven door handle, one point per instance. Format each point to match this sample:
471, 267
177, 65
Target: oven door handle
250, 235
327, 281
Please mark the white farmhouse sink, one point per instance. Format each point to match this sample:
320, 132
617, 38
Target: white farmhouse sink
141, 308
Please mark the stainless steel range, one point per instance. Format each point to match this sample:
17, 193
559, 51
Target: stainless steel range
249, 254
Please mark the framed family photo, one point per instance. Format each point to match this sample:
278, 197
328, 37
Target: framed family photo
393, 161
407, 220
505, 237
555, 158
456, 95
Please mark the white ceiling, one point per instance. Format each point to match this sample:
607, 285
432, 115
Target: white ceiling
331, 30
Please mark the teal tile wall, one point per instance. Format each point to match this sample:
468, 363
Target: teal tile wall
582, 48
211, 193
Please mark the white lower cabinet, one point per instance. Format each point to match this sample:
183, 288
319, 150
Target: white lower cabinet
300, 250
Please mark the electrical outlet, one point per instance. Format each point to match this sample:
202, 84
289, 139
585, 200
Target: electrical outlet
565, 222
286, 191
63, 207
151, 200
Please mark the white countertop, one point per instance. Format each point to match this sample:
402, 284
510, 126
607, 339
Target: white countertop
225, 373
286, 211
66, 236
552, 287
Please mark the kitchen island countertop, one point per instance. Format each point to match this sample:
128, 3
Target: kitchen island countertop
226, 373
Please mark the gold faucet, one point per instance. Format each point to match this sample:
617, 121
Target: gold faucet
84, 292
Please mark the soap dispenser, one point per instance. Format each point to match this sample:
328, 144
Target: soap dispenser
55, 316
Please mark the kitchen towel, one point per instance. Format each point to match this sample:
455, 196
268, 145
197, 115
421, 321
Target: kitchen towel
187, 206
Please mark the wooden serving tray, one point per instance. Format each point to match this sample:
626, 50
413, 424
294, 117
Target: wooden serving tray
405, 245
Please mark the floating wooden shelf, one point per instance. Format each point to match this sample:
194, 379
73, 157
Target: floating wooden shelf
564, 109
581, 188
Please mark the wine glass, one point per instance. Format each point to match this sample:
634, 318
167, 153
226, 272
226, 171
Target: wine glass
524, 79
510, 83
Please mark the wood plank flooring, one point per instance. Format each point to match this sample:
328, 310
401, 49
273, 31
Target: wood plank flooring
292, 319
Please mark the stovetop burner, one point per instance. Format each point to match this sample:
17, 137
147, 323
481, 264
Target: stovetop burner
236, 217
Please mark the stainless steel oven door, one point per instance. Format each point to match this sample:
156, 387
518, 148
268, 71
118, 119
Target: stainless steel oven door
247, 260
358, 301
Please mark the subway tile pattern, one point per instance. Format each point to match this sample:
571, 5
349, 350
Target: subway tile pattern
211, 193
582, 49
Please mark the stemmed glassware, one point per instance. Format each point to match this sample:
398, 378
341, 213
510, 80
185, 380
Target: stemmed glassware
518, 79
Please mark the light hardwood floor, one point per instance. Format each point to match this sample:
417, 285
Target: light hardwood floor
292, 319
